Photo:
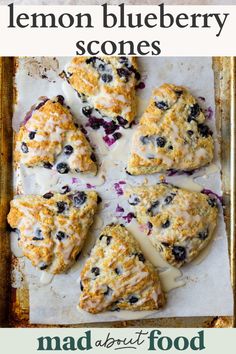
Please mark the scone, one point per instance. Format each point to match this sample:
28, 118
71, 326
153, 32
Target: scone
118, 277
171, 134
107, 84
50, 137
179, 223
52, 229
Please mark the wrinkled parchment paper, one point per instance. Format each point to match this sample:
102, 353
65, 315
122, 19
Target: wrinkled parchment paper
203, 288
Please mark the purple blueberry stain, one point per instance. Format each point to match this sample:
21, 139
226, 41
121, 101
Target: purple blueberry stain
129, 217
118, 187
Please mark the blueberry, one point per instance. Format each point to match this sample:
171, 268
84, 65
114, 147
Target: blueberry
81, 286
169, 199
38, 235
133, 200
117, 136
179, 92
77, 256
108, 291
179, 253
61, 206
106, 78
93, 157
165, 244
60, 235
95, 123
65, 189
170, 147
194, 112
135, 71
108, 241
118, 271
32, 135
68, 150
101, 67
79, 199
162, 105
161, 141
91, 60
212, 202
109, 238
204, 130
149, 225
145, 139
87, 110
121, 121
47, 165
190, 132
60, 99
141, 257
123, 73
133, 299
43, 267
48, 195
99, 199
63, 168
96, 271
24, 148
166, 224
124, 60
203, 235
153, 210
110, 127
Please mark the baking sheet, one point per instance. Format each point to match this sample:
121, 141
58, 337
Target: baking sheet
207, 289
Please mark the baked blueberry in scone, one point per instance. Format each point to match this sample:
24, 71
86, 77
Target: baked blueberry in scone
52, 228
118, 277
171, 134
50, 138
179, 223
107, 84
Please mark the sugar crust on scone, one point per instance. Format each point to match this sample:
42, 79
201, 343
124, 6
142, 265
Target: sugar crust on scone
52, 228
118, 277
179, 223
171, 134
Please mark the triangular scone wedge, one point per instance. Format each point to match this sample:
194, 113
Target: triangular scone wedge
107, 84
171, 134
49, 136
179, 223
117, 276
52, 229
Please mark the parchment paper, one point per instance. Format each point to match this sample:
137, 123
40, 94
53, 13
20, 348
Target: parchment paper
207, 290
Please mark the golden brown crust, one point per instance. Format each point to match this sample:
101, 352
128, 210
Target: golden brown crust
52, 229
117, 276
179, 223
43, 137
107, 83
171, 134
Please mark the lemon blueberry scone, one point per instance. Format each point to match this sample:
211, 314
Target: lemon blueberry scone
49, 136
171, 134
52, 228
107, 84
180, 223
118, 277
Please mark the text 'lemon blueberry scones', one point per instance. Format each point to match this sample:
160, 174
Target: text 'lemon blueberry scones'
107, 84
171, 134
179, 223
49, 136
52, 229
117, 276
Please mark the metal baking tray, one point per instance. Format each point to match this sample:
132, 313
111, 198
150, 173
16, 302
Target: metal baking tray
14, 303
